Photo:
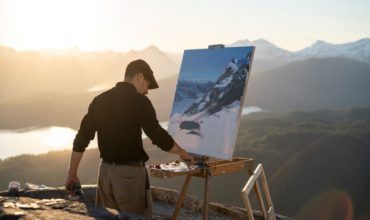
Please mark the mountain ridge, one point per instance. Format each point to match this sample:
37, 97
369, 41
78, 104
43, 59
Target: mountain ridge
358, 50
328, 81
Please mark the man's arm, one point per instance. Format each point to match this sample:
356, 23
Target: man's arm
83, 137
159, 136
73, 167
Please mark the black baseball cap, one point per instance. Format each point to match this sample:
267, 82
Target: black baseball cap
140, 66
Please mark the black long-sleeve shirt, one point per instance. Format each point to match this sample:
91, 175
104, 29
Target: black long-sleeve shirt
118, 115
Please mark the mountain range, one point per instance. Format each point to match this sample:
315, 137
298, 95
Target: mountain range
326, 83
357, 50
30, 73
54, 88
268, 56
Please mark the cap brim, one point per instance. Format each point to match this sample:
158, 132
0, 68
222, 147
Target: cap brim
153, 82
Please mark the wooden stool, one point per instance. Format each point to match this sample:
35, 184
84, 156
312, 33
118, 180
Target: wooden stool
253, 183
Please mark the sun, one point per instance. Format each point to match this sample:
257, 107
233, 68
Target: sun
58, 137
57, 24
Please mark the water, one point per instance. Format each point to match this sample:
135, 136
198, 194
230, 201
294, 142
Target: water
36, 141
42, 140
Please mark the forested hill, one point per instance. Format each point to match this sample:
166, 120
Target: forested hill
312, 160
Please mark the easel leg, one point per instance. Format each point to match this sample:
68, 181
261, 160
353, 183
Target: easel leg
206, 196
257, 190
181, 197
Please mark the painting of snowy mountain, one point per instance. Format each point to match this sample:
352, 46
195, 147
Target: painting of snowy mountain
209, 98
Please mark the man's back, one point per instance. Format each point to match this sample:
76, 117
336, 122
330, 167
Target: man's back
118, 128
118, 116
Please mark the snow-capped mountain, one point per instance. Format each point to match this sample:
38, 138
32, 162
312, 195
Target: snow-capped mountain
264, 49
267, 56
227, 90
358, 50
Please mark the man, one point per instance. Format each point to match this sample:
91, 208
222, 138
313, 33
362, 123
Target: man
118, 116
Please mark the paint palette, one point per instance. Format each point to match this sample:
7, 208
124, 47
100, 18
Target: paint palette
173, 169
172, 166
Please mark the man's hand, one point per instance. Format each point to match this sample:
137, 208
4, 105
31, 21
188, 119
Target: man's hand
71, 179
185, 156
176, 149
72, 171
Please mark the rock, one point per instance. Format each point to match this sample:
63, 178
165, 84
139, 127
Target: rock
53, 204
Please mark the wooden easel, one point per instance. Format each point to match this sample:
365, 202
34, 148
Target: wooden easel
214, 168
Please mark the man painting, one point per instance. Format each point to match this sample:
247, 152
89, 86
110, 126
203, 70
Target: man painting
118, 116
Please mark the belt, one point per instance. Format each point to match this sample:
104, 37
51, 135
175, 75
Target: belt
127, 163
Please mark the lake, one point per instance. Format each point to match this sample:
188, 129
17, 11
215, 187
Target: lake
42, 140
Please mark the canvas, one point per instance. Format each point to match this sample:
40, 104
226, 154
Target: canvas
209, 98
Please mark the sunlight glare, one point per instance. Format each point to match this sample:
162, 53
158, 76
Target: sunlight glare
44, 24
58, 137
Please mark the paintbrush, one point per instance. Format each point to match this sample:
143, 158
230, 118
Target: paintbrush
188, 163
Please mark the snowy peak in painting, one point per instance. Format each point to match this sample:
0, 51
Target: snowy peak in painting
187, 91
191, 89
228, 88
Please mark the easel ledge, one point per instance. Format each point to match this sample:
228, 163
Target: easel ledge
213, 168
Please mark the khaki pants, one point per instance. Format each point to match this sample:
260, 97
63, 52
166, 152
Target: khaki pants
123, 187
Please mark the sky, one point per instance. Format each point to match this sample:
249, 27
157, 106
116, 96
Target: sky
176, 25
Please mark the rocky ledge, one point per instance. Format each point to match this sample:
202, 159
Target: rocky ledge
53, 203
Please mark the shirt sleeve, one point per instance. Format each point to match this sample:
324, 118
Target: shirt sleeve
87, 130
152, 128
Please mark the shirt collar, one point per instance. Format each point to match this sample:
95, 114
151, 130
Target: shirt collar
126, 85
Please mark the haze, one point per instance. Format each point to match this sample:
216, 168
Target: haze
177, 25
